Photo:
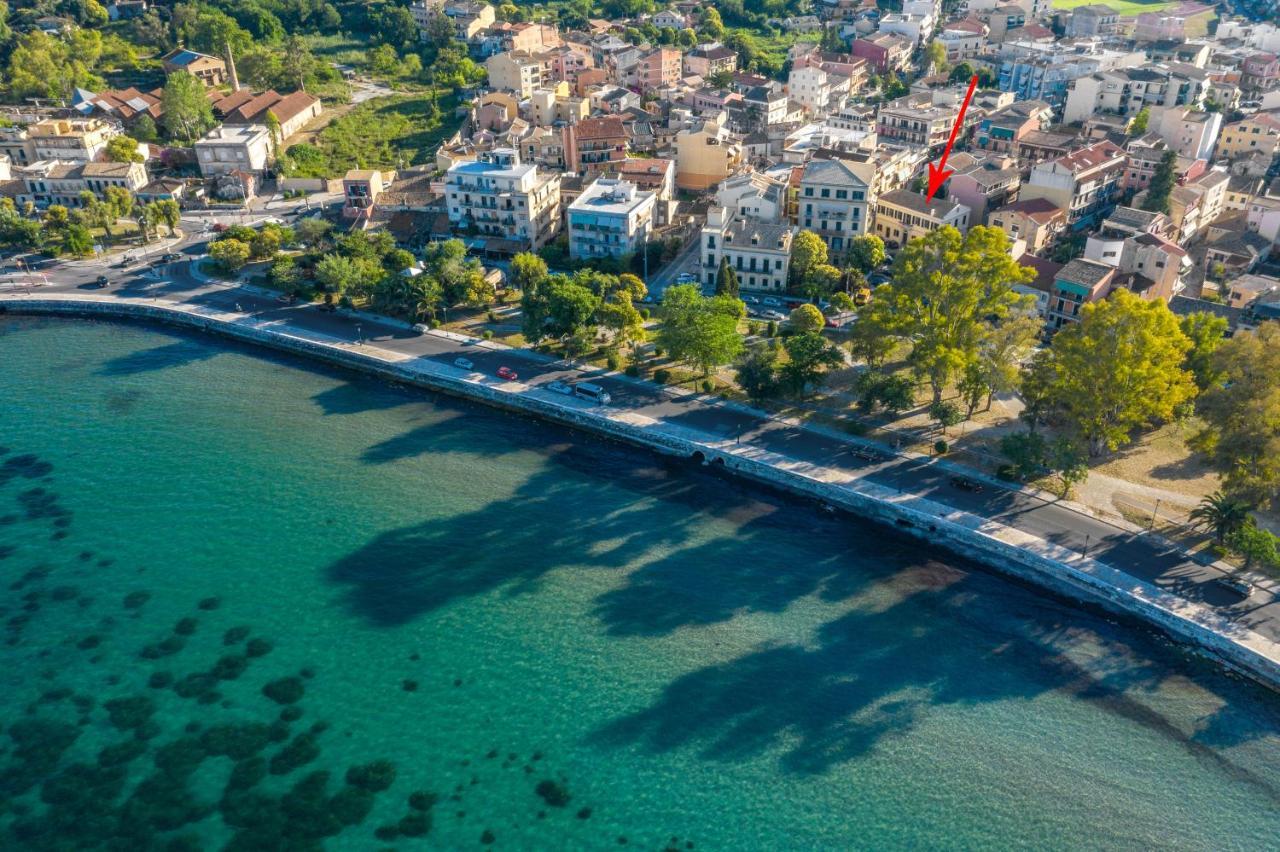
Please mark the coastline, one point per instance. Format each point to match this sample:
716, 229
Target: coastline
1004, 549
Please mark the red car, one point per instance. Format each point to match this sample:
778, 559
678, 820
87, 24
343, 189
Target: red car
507, 373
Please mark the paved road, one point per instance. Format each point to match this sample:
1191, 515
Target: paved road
1142, 556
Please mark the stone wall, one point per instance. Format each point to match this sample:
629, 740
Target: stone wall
1006, 550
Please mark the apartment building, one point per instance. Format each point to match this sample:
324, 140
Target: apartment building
1079, 283
1260, 73
1037, 222
75, 140
1144, 155
707, 59
753, 196
1092, 20
961, 45
1191, 132
983, 183
1259, 132
657, 69
518, 71
594, 144
52, 182
834, 200
759, 252
915, 120
651, 174
467, 18
360, 191
499, 197
884, 52
611, 218
1084, 183
1127, 91
902, 215
234, 148
706, 154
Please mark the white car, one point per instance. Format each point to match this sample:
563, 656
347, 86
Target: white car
463, 364
560, 387
771, 302
686, 278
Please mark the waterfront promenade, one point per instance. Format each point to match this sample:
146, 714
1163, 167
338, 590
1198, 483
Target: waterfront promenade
1017, 531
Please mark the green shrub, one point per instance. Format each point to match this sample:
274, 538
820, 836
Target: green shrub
488, 334
613, 361
941, 447
708, 386
632, 370
661, 376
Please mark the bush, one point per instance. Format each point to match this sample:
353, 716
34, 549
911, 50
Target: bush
632, 370
772, 329
708, 386
491, 316
661, 376
657, 351
941, 447
488, 334
613, 361
644, 314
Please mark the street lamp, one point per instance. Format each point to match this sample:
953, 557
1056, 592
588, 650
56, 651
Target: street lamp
359, 335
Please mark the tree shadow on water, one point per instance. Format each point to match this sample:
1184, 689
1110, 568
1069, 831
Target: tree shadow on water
179, 353
556, 518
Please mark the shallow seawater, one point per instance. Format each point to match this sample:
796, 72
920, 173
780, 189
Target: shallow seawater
229, 578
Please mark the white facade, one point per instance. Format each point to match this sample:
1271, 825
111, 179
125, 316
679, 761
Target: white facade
234, 148
611, 218
499, 197
759, 253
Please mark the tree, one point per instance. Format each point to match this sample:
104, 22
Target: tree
822, 281
948, 292
757, 373
230, 254
712, 25
213, 31
1119, 369
124, 149
945, 414
1162, 182
1003, 349
1031, 456
527, 270
382, 60
265, 244
935, 54
1139, 124
119, 202
702, 331
809, 355
866, 252
807, 319
1221, 514
312, 232
144, 129
1241, 412
870, 341
726, 279
42, 66
188, 115
807, 251
1255, 544
1206, 332
78, 240
336, 275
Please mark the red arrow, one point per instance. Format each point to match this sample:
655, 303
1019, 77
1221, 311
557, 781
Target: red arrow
938, 174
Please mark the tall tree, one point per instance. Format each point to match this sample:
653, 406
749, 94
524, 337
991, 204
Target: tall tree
188, 115
757, 373
947, 293
866, 252
808, 357
726, 279
124, 149
1119, 369
807, 251
527, 270
1206, 332
1241, 412
702, 331
1161, 186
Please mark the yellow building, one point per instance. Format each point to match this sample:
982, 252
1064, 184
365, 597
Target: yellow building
705, 155
1257, 133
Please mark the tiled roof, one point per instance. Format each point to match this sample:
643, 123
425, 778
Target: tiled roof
938, 208
1086, 272
1037, 209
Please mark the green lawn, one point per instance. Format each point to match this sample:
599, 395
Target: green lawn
1125, 8
382, 133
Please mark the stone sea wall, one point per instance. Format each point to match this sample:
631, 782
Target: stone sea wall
1005, 549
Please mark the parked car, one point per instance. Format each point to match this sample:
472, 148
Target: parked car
560, 387
593, 392
463, 364
686, 278
771, 302
1234, 584
866, 454
507, 373
751, 300
171, 257
965, 483
777, 316
421, 327
101, 281
875, 279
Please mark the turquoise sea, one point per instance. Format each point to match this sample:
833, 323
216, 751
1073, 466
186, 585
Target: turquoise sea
246, 601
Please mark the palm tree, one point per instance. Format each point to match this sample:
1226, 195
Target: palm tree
1222, 514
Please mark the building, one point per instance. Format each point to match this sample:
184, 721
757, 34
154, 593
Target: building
1084, 183
708, 59
1258, 132
76, 140
1092, 20
498, 197
1037, 222
518, 71
834, 200
1080, 282
759, 252
982, 183
706, 154
884, 52
902, 215
51, 182
1127, 91
915, 120
657, 69
753, 195
651, 174
468, 18
209, 70
361, 188
611, 218
234, 148
1260, 73
594, 144
1191, 132
293, 111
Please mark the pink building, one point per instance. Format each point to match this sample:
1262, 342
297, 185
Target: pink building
657, 69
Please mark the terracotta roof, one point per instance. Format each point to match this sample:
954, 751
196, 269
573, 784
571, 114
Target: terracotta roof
605, 127
1046, 271
1092, 156
1037, 209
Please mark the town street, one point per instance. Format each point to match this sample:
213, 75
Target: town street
1145, 557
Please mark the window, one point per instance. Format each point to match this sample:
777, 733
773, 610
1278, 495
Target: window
808, 190
826, 193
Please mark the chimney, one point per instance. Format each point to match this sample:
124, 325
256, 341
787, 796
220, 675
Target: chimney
231, 69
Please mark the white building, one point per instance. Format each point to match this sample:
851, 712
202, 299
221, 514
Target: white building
758, 252
497, 196
611, 218
753, 196
234, 148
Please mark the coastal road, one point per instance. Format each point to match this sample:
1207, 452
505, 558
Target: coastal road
1142, 556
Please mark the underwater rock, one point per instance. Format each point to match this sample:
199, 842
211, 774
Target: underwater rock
409, 686
210, 603
257, 647
185, 626
299, 751
235, 635
133, 600
195, 684
160, 679
123, 752
351, 805
421, 800
585, 813
238, 742
292, 713
553, 793
129, 713
416, 824
230, 667
246, 774
487, 838
285, 690
374, 777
